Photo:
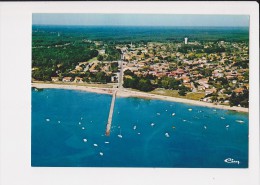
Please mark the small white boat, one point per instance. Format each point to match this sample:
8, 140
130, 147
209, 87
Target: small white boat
83, 128
167, 135
190, 109
227, 126
101, 153
81, 118
95, 145
239, 121
134, 127
184, 120
173, 114
79, 123
222, 118
166, 110
119, 135
106, 142
214, 110
205, 127
138, 133
152, 124
47, 120
158, 113
85, 140
58, 121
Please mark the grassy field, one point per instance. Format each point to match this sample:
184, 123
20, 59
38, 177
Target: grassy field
92, 60
174, 93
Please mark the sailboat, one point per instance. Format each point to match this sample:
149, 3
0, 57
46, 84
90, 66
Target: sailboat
120, 135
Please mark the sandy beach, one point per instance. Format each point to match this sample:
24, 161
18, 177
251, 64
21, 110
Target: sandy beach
130, 93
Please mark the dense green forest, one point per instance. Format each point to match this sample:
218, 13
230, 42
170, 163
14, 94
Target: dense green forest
56, 53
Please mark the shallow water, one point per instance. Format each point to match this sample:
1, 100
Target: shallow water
68, 129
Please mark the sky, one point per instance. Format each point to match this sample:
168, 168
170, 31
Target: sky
140, 20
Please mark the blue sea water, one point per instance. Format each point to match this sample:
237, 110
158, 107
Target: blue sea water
68, 130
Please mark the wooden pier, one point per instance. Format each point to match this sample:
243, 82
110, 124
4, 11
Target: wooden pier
110, 117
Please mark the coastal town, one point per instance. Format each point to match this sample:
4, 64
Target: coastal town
213, 72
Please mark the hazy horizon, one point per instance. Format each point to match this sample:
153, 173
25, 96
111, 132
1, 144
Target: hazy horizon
140, 26
146, 20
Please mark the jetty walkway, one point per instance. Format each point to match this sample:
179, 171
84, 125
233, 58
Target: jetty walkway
110, 117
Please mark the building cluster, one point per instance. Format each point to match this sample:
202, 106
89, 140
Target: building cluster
214, 72
210, 73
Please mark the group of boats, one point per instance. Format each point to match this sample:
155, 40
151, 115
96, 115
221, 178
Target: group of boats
135, 127
96, 145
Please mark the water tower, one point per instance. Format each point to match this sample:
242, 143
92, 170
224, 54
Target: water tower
186, 40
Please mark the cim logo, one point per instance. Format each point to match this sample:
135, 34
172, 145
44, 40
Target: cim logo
231, 161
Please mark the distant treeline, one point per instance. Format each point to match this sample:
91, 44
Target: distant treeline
147, 34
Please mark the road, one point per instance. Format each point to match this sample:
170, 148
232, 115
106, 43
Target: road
120, 80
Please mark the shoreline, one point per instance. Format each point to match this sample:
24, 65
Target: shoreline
129, 93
